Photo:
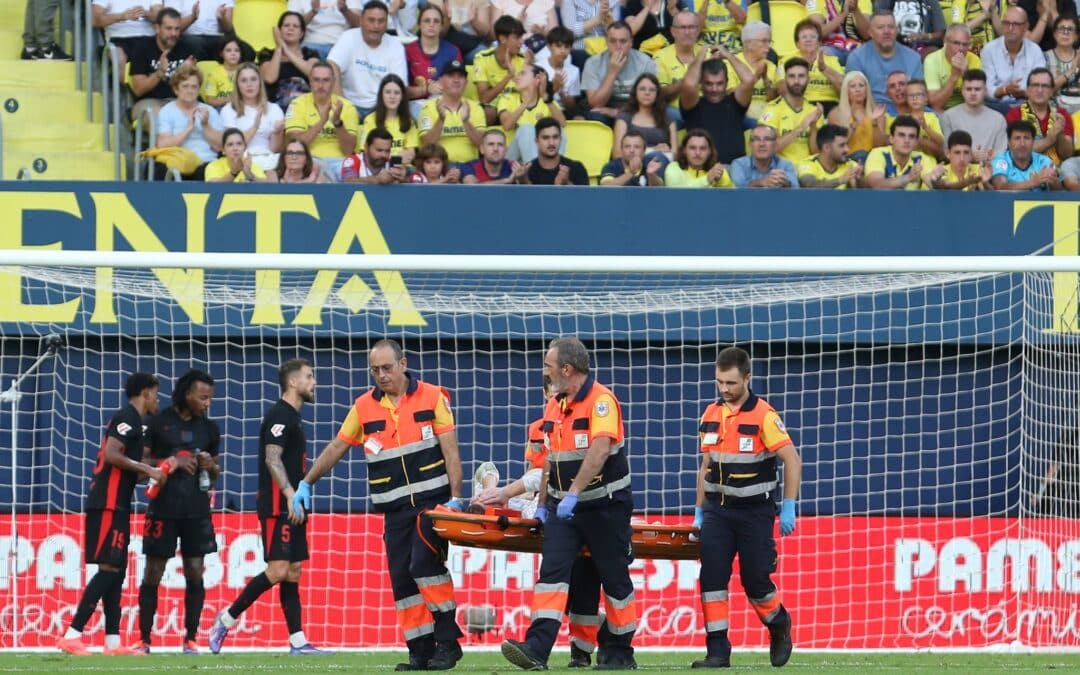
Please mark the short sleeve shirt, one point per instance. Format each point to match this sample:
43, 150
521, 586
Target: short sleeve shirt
452, 124
144, 60
486, 69
540, 176
510, 101
219, 168
304, 114
1005, 165
402, 139
881, 160
172, 120
597, 66
812, 167
781, 116
352, 431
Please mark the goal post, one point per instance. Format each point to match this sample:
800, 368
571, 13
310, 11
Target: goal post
931, 398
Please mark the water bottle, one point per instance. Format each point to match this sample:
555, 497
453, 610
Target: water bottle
152, 486
204, 480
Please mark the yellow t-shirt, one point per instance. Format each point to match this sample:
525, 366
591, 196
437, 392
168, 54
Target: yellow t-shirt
761, 87
818, 87
881, 160
453, 124
511, 100
219, 168
848, 28
936, 70
967, 10
781, 116
486, 69
402, 139
812, 167
669, 68
676, 176
303, 114
352, 431
217, 82
970, 171
720, 27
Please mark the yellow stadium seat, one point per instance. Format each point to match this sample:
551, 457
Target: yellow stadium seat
783, 15
459, 148
254, 21
589, 143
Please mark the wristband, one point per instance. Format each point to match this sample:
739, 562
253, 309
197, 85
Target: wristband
339, 124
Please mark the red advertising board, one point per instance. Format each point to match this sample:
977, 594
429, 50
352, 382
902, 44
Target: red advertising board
849, 582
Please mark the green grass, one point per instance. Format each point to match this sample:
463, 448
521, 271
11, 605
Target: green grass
492, 662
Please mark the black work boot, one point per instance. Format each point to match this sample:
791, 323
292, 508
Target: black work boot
780, 640
519, 654
446, 655
579, 658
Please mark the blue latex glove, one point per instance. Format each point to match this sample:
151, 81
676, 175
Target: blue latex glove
787, 517
699, 517
541, 514
302, 497
566, 507
457, 504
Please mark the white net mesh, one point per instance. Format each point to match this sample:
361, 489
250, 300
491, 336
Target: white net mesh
928, 409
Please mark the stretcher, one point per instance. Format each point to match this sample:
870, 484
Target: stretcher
505, 530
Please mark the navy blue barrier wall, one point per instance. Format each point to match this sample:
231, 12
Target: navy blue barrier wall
888, 457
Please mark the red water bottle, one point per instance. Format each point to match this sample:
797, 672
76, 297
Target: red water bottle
152, 486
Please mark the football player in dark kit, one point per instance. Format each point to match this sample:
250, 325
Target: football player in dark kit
108, 512
282, 460
182, 509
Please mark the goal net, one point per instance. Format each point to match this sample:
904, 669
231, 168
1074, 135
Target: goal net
929, 408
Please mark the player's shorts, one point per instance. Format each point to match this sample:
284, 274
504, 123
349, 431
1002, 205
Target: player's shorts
283, 540
196, 537
107, 537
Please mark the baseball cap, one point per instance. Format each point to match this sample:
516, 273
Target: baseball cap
454, 66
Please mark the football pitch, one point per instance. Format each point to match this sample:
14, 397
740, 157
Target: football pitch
492, 662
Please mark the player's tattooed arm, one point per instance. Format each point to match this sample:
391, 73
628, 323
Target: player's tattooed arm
277, 468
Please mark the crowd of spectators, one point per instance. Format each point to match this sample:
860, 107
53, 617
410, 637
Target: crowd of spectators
883, 94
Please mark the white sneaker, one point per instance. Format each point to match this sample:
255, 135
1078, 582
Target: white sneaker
484, 470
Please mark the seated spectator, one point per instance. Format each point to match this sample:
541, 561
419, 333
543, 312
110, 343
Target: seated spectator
325, 122
757, 44
236, 164
845, 25
295, 165
1062, 62
262, 122
985, 125
565, 77
1070, 174
673, 61
39, 42
795, 119
763, 168
374, 164
650, 21
426, 58
945, 68
433, 166
1020, 168
900, 166
920, 23
882, 55
285, 69
983, 18
493, 168
608, 77
961, 171
826, 73
632, 168
495, 68
587, 19
536, 16
470, 24
931, 140
188, 123
392, 113
857, 112
550, 167
126, 23
204, 25
450, 114
695, 164
154, 62
706, 102
1008, 60
646, 113
721, 20
520, 109
364, 55
1053, 126
325, 21
830, 168
219, 79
